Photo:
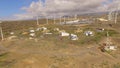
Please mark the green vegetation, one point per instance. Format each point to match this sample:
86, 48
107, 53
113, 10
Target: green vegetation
19, 29
3, 60
116, 65
63, 50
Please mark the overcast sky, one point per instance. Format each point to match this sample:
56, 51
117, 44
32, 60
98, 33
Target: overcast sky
27, 9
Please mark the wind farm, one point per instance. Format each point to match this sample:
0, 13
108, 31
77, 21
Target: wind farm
62, 37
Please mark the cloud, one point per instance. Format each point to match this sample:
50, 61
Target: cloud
66, 7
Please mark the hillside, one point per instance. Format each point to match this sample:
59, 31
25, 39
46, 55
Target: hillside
54, 51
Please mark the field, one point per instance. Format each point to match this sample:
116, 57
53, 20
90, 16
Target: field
54, 51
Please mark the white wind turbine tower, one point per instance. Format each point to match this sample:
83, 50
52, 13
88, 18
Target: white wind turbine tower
116, 12
60, 19
110, 17
1, 32
54, 19
68, 18
36, 17
37, 20
47, 20
75, 16
64, 19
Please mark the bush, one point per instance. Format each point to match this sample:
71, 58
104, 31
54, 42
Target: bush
116, 65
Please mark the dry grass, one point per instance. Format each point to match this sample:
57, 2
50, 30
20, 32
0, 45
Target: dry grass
53, 51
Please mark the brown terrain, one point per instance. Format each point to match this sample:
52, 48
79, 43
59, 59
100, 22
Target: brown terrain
53, 51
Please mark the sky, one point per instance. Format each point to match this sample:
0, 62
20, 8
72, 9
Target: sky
28, 9
8, 7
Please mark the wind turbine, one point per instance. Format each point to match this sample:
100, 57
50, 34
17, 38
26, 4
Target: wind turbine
75, 16
116, 14
64, 19
68, 18
47, 20
54, 19
1, 32
37, 21
110, 16
60, 19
